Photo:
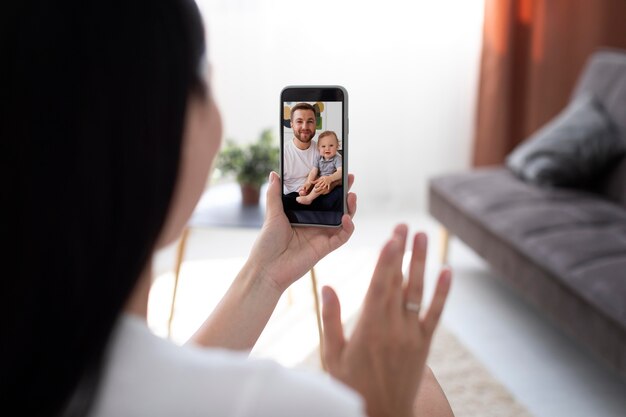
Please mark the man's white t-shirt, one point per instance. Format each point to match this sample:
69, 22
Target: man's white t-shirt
297, 165
146, 375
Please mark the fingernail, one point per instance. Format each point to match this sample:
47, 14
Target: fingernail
271, 179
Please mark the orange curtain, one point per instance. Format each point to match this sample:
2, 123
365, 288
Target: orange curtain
533, 52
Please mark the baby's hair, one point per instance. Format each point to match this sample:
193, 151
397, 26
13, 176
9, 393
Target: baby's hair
328, 133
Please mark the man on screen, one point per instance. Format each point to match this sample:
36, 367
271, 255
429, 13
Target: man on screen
300, 155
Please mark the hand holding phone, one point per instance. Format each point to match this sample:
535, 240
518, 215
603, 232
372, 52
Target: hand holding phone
314, 154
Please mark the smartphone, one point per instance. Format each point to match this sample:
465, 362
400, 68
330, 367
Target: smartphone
314, 154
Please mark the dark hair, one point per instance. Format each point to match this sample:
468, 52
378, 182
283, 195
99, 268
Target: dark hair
302, 106
94, 96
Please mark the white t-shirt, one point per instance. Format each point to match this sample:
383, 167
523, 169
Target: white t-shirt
297, 165
146, 375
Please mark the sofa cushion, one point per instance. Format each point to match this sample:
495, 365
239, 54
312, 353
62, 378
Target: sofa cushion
604, 77
573, 235
614, 185
575, 149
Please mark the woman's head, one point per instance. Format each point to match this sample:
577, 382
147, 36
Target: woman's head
99, 96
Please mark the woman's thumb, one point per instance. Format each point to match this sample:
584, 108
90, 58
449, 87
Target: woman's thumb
334, 340
274, 195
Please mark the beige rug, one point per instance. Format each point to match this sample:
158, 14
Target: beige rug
470, 388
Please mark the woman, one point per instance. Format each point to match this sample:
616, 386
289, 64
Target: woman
109, 137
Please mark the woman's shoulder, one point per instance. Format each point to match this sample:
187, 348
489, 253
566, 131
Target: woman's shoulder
148, 375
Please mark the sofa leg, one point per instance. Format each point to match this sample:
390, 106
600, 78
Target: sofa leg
445, 243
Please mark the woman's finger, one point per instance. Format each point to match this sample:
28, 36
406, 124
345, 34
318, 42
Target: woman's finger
389, 264
400, 232
415, 285
341, 236
439, 299
351, 204
350, 181
334, 339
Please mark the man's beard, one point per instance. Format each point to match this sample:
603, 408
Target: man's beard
299, 136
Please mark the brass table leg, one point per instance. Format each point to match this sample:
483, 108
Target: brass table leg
318, 316
445, 244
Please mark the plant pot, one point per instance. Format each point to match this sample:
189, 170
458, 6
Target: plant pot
250, 195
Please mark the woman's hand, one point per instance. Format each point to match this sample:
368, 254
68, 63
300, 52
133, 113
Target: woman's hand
282, 253
386, 355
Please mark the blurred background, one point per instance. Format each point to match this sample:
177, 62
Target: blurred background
410, 68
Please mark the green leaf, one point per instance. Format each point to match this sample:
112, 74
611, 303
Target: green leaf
252, 163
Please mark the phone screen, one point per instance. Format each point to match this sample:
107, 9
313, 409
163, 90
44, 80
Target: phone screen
314, 145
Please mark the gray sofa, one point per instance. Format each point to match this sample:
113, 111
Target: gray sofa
562, 249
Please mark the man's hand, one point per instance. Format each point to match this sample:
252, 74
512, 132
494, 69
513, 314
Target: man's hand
323, 183
282, 253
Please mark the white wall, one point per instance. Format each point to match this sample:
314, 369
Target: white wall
410, 68
334, 121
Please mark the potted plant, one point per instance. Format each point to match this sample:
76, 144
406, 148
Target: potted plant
251, 164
